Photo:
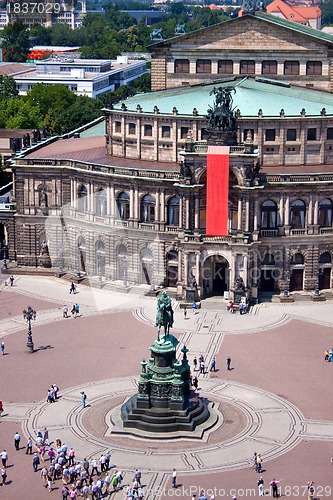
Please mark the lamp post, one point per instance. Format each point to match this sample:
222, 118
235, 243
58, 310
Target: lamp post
29, 314
286, 285
5, 257
78, 274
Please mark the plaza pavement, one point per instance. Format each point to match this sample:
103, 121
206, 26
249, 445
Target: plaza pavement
279, 382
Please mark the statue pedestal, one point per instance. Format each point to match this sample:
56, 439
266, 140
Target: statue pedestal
222, 137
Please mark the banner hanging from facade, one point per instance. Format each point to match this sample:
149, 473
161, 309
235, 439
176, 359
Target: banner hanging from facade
217, 191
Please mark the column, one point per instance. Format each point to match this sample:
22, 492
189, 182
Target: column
245, 270
185, 268
157, 207
180, 270
181, 224
316, 210
286, 211
72, 193
281, 206
136, 203
162, 198
247, 214
108, 200
75, 194
197, 268
131, 203
196, 214
112, 201
256, 213
89, 197
187, 212
239, 214
310, 210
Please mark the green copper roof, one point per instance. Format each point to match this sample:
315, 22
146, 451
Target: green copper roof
250, 96
284, 23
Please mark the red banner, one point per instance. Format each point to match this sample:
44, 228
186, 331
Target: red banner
217, 191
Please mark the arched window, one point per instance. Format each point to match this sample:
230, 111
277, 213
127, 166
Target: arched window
82, 199
173, 211
268, 215
148, 209
297, 214
297, 258
123, 204
268, 260
122, 251
122, 263
100, 202
325, 213
147, 266
325, 258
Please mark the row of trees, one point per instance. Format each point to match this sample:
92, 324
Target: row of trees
55, 106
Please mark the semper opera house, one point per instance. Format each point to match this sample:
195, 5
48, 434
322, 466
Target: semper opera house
128, 202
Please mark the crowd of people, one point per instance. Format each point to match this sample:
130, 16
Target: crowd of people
57, 463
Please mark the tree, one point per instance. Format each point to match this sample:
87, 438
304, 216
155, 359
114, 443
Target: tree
16, 42
82, 111
44, 35
7, 87
55, 97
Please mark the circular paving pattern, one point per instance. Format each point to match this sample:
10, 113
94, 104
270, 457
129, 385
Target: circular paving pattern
255, 420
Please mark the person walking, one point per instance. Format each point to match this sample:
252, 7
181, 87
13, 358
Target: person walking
195, 382
1, 408
65, 311
11, 279
202, 367
185, 312
228, 362
259, 463
35, 462
4, 476
137, 476
17, 439
83, 399
311, 490
261, 486
72, 288
28, 450
4, 458
213, 364
3, 348
174, 478
195, 364
77, 311
194, 307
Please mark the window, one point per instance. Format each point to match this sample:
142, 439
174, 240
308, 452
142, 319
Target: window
297, 258
297, 214
148, 130
291, 68
173, 211
82, 199
325, 258
247, 68
291, 134
183, 132
131, 128
166, 132
325, 213
182, 66
329, 134
204, 134
100, 202
204, 66
268, 215
148, 209
123, 204
312, 134
225, 67
269, 68
117, 127
314, 68
270, 134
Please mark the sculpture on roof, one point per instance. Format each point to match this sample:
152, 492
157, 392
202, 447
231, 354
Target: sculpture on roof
156, 35
222, 115
180, 29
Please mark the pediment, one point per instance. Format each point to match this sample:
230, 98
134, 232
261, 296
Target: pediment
248, 34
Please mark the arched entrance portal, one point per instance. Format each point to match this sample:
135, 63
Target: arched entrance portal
215, 275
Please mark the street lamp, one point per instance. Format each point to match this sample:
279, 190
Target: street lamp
78, 274
28, 315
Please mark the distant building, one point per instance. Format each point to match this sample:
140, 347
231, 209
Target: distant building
307, 15
90, 77
150, 16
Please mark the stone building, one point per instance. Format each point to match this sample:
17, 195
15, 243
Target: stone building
131, 205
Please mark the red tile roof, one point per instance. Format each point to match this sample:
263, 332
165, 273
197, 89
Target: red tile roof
14, 68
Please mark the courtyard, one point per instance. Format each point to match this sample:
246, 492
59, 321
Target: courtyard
276, 399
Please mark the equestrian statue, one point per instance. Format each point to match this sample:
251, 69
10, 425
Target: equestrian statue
164, 315
222, 116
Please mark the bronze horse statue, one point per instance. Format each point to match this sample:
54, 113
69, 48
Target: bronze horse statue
164, 315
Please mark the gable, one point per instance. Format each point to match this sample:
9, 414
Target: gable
248, 33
